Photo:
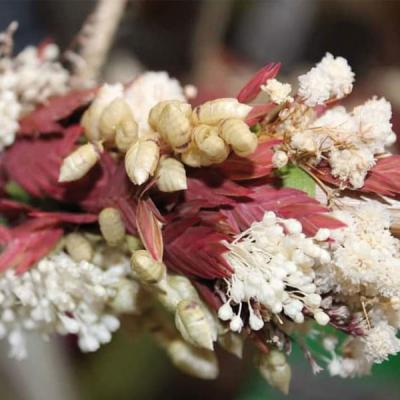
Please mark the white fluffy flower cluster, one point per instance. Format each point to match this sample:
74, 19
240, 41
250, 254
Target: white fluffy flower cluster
278, 92
349, 141
273, 263
25, 81
365, 255
149, 89
331, 79
60, 296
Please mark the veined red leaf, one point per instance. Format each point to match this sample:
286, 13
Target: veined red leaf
257, 165
252, 88
44, 119
258, 112
149, 228
12, 208
66, 217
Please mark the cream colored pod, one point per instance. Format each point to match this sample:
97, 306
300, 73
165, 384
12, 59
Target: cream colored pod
210, 144
194, 361
276, 370
92, 116
141, 160
192, 323
238, 135
111, 226
78, 247
171, 175
212, 112
146, 269
79, 162
117, 124
155, 112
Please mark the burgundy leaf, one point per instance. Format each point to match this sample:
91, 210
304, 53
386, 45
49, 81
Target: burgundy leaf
44, 120
258, 112
74, 218
252, 88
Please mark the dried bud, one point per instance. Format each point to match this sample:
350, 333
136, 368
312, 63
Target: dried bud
208, 142
78, 247
212, 112
197, 362
91, 118
192, 323
155, 112
117, 123
79, 162
276, 370
111, 226
145, 268
279, 159
141, 160
126, 297
171, 175
236, 133
174, 127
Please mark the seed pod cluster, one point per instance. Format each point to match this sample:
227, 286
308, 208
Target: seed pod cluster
207, 134
111, 226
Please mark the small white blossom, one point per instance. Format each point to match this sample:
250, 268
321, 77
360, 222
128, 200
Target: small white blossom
331, 78
278, 92
273, 266
61, 296
279, 159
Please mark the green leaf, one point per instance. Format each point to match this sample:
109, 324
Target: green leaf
296, 178
17, 193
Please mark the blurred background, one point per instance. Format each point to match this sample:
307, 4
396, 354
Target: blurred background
215, 45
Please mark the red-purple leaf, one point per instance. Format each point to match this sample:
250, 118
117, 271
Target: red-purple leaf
258, 112
252, 88
74, 218
44, 120
149, 228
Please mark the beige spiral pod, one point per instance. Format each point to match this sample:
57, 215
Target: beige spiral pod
117, 123
141, 160
146, 269
133, 243
125, 300
232, 343
79, 162
174, 127
238, 135
212, 112
194, 157
90, 120
276, 370
192, 323
193, 361
155, 112
111, 226
209, 143
78, 247
171, 175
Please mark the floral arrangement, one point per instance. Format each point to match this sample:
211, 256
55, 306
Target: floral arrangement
267, 219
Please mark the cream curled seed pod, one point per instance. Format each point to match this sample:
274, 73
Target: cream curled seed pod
192, 323
232, 343
155, 112
146, 269
111, 226
133, 243
276, 370
209, 143
126, 297
79, 162
117, 123
174, 127
171, 175
236, 133
91, 118
194, 157
78, 247
194, 361
212, 112
141, 160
